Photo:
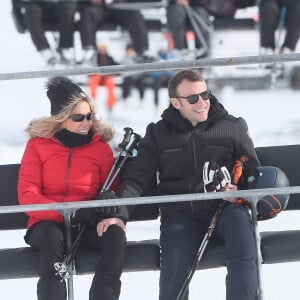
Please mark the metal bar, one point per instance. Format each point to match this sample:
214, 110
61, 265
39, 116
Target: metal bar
254, 201
208, 28
137, 5
69, 281
155, 66
119, 5
148, 200
195, 25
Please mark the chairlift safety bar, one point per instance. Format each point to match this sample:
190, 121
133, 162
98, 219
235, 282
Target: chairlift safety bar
155, 66
71, 206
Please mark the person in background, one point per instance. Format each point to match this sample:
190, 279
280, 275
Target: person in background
129, 80
96, 13
68, 158
61, 14
153, 80
271, 14
190, 22
178, 22
103, 59
195, 130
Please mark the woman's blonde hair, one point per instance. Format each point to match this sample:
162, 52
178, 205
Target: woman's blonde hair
47, 126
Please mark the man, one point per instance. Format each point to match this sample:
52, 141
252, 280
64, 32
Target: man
196, 129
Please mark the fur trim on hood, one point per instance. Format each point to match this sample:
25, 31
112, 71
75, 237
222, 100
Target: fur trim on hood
106, 131
46, 127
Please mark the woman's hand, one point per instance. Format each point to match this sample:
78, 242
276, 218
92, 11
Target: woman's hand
104, 224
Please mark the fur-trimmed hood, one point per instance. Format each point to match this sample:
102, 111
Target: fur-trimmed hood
107, 131
42, 128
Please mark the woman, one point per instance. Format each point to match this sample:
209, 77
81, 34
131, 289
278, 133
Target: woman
67, 158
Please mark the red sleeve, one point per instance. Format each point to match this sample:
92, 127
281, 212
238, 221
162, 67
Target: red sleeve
30, 183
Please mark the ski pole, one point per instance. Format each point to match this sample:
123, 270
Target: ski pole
62, 267
194, 18
236, 174
200, 251
128, 153
122, 146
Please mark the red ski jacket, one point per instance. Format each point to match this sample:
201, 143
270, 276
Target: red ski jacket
52, 173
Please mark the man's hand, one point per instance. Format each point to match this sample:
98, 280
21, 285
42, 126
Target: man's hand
104, 224
214, 177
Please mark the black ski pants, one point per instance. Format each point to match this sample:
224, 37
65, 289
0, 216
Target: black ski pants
178, 24
269, 15
48, 239
61, 14
181, 236
93, 16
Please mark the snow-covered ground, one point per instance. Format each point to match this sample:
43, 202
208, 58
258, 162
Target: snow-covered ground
273, 119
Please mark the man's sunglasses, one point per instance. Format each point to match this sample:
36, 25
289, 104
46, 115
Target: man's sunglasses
80, 117
192, 99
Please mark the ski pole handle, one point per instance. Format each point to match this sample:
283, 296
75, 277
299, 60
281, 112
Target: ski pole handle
134, 144
126, 139
129, 151
122, 146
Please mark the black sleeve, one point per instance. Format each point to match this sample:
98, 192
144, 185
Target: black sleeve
139, 176
245, 147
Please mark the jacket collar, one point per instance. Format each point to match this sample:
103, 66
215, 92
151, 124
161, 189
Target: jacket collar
72, 139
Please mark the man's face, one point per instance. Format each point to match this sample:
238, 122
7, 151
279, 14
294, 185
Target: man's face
197, 112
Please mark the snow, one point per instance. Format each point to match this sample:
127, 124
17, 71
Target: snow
272, 116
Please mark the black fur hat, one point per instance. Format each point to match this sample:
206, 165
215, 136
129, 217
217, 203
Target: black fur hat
61, 91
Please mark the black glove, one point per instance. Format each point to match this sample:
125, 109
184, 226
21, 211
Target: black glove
86, 216
214, 177
108, 211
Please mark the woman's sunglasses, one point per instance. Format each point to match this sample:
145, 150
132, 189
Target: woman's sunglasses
80, 117
192, 99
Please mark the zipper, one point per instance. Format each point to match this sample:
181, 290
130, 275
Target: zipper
195, 161
68, 173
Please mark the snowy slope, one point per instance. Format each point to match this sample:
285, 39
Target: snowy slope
272, 117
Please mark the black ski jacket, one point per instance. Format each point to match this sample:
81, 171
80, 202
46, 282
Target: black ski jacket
174, 151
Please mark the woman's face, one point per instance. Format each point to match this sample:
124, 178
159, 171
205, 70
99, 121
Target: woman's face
80, 119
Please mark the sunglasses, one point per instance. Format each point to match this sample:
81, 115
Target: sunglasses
80, 117
192, 99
